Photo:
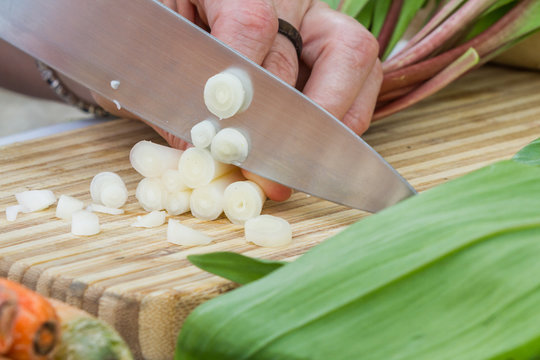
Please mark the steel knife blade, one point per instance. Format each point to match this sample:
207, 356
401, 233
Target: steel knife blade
162, 62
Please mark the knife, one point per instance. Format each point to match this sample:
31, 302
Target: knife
163, 61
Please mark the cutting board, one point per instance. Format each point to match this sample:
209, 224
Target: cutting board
145, 287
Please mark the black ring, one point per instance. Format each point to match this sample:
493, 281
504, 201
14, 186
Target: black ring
292, 34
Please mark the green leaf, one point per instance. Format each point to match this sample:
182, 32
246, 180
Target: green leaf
365, 17
530, 154
408, 11
353, 7
452, 273
487, 20
235, 267
332, 3
379, 14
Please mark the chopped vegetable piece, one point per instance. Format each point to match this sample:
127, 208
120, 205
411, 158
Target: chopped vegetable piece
66, 206
207, 201
153, 219
230, 146
184, 235
172, 181
178, 203
151, 194
108, 188
199, 168
84, 223
12, 212
203, 133
268, 230
225, 95
104, 209
243, 200
35, 200
151, 160
115, 84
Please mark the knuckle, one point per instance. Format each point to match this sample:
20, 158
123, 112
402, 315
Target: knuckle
357, 121
258, 20
355, 43
282, 64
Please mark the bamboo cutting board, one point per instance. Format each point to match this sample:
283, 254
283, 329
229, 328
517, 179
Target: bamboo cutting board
144, 286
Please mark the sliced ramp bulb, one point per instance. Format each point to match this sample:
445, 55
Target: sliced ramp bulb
199, 168
173, 181
268, 231
35, 200
84, 223
151, 194
12, 212
206, 202
243, 200
227, 93
202, 134
104, 209
151, 160
184, 235
107, 188
150, 220
178, 203
230, 146
66, 206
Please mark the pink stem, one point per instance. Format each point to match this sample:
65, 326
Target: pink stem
459, 67
467, 13
394, 94
389, 25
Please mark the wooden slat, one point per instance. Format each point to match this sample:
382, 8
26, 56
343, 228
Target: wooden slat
145, 286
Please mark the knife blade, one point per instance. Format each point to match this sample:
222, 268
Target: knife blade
162, 62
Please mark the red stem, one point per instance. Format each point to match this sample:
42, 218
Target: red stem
459, 67
389, 25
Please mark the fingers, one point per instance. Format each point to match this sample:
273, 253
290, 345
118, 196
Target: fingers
341, 54
250, 27
358, 117
273, 190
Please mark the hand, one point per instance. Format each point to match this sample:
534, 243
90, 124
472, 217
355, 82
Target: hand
341, 71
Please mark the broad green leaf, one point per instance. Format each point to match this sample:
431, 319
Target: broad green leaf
530, 154
452, 273
333, 3
365, 17
235, 267
379, 14
408, 11
353, 7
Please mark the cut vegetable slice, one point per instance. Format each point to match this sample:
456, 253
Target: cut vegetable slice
230, 146
153, 219
151, 194
199, 168
207, 201
84, 223
184, 235
12, 212
178, 203
35, 200
243, 200
203, 133
172, 181
269, 231
108, 188
104, 209
66, 206
151, 160
224, 95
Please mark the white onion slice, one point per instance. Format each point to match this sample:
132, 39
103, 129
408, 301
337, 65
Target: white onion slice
203, 133
230, 146
66, 206
12, 212
150, 220
268, 230
173, 181
151, 194
151, 160
84, 223
104, 209
243, 200
225, 95
178, 203
108, 188
199, 168
206, 202
35, 200
184, 235
115, 84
